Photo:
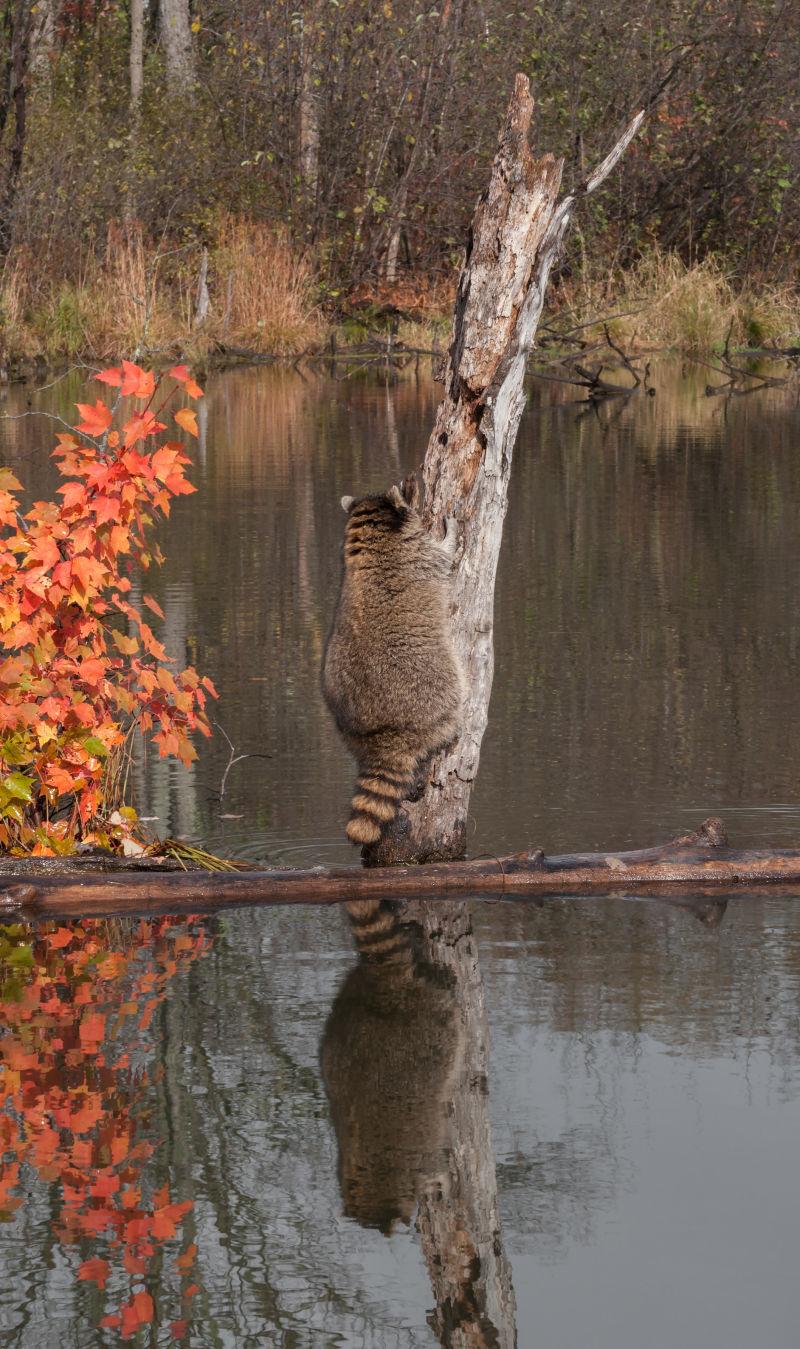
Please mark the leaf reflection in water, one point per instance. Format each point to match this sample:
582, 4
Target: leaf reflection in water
404, 1061
76, 1005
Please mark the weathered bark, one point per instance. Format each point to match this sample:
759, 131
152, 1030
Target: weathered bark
176, 33
516, 234
693, 864
459, 1220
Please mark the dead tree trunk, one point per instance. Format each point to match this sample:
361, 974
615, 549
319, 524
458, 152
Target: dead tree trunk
516, 234
459, 1220
14, 96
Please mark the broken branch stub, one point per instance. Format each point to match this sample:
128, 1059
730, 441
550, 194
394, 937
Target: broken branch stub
516, 234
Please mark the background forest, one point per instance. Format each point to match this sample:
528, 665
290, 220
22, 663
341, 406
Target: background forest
324, 154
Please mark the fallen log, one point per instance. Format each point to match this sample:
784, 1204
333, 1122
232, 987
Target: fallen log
690, 864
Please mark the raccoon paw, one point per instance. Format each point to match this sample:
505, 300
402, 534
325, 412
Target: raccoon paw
417, 788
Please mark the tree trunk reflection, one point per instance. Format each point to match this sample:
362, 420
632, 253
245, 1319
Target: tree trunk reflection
404, 1059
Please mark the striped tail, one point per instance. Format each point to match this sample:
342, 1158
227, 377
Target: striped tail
376, 802
378, 932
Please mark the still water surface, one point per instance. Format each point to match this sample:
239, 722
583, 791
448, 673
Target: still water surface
165, 1112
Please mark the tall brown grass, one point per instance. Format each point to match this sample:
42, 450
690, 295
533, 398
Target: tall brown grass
141, 295
693, 309
264, 290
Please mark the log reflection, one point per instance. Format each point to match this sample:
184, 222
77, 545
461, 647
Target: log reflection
404, 1060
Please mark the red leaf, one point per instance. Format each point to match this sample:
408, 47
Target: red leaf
96, 1270
74, 494
137, 382
143, 1306
179, 1329
112, 376
187, 419
96, 419
180, 373
91, 1031
152, 604
61, 937
141, 425
106, 508
179, 486
88, 571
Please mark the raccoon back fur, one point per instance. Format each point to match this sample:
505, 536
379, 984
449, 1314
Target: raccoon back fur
390, 673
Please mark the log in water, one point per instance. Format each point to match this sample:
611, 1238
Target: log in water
690, 864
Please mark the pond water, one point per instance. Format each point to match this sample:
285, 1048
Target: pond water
173, 1159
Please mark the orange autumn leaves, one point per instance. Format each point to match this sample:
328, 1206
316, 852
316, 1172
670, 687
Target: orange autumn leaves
74, 1104
78, 663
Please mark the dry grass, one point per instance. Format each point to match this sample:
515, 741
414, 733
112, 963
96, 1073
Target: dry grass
664, 303
263, 298
142, 296
264, 291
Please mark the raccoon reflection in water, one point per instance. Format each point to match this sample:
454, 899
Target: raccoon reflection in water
403, 1063
390, 1054
390, 673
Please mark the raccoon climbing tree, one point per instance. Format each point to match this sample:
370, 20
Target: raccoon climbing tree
516, 235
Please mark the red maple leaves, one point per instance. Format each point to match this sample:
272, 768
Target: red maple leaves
73, 1113
78, 664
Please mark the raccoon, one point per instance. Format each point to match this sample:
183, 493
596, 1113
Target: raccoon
390, 1052
390, 673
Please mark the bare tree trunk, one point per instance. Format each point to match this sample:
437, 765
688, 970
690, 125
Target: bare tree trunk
136, 88
203, 303
516, 234
44, 36
15, 95
136, 60
309, 123
176, 33
393, 248
459, 1221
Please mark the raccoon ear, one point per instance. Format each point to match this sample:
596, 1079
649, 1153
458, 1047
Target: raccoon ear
396, 497
347, 503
